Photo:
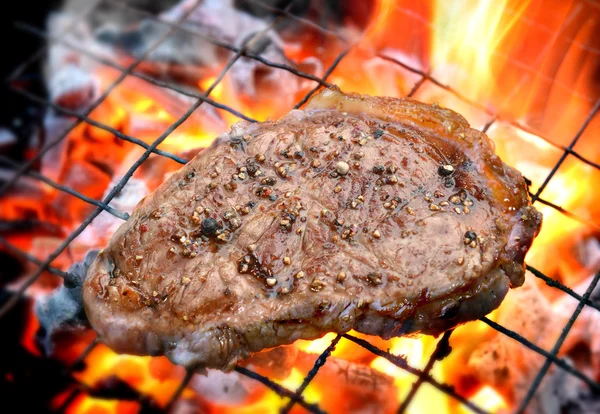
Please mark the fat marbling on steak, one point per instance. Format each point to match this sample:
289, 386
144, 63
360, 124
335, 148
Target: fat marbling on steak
383, 215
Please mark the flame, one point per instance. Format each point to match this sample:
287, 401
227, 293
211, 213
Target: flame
154, 377
487, 399
28, 337
91, 405
272, 403
465, 36
487, 50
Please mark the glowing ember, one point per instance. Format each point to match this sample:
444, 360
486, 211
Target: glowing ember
487, 399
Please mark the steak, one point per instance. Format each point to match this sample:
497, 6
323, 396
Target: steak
383, 215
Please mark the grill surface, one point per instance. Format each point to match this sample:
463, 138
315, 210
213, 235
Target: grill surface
294, 396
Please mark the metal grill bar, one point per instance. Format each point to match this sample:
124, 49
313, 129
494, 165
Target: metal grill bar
549, 356
585, 124
580, 158
538, 379
225, 45
567, 213
97, 124
496, 116
441, 351
416, 87
15, 250
28, 164
68, 190
325, 76
279, 390
487, 126
313, 372
556, 284
76, 365
297, 18
134, 73
184, 383
401, 363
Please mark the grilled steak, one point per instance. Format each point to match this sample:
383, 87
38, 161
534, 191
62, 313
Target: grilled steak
387, 216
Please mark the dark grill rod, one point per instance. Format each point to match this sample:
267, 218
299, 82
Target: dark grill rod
555, 283
97, 124
401, 363
497, 117
27, 165
222, 44
538, 379
549, 356
86, 352
189, 373
15, 250
134, 73
578, 135
580, 158
441, 351
416, 87
279, 390
488, 125
313, 372
337, 60
568, 213
74, 367
68, 190
298, 18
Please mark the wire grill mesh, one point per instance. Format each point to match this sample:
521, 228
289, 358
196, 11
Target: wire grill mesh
294, 396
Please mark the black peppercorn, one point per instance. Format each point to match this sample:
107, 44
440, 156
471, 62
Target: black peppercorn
210, 226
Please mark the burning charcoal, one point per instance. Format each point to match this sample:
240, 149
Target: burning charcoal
62, 310
193, 405
7, 139
274, 363
494, 361
212, 19
509, 366
359, 388
190, 57
69, 77
230, 389
561, 392
114, 388
73, 88
54, 159
106, 224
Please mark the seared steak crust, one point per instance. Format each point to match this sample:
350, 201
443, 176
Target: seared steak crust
383, 215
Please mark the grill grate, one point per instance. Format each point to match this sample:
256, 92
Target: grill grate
295, 397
